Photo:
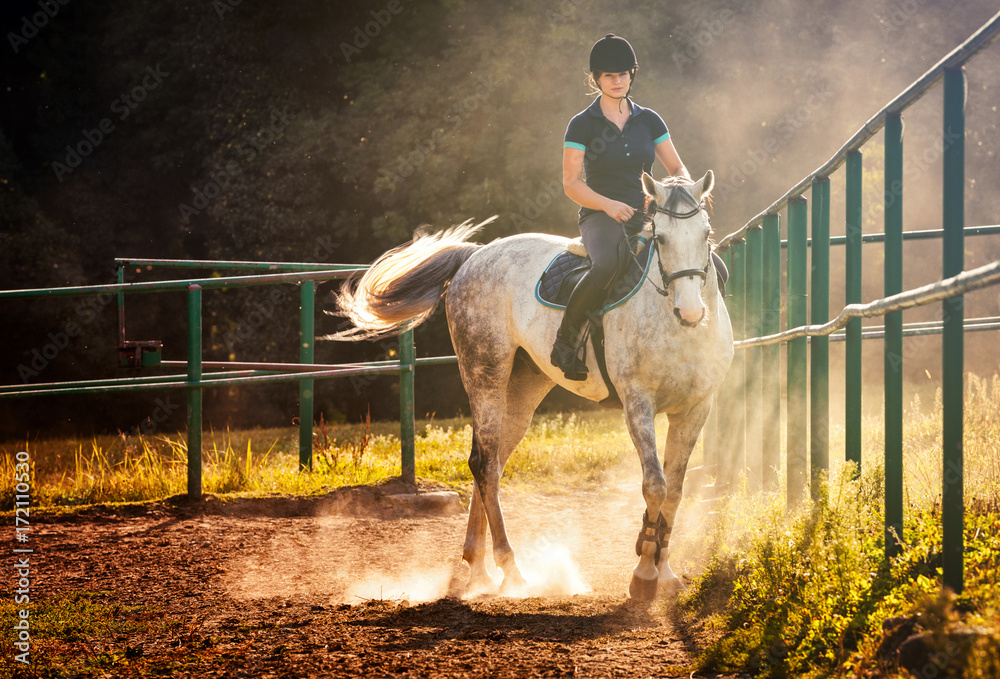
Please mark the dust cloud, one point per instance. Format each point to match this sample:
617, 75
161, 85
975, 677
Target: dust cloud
572, 543
352, 559
414, 587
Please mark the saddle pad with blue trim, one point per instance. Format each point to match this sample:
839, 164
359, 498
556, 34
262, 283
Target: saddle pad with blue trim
566, 269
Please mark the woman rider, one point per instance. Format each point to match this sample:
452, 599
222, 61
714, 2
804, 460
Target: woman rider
613, 140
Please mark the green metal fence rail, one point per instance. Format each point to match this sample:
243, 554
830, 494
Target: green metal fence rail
226, 373
967, 281
810, 328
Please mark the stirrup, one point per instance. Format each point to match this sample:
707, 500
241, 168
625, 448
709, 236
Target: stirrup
565, 357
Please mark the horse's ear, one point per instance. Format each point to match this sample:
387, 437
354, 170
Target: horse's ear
706, 184
649, 185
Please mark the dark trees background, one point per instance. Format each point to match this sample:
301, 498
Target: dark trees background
329, 131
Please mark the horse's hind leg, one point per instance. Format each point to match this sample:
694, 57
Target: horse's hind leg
474, 552
490, 452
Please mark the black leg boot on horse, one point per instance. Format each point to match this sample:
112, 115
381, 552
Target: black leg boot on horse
586, 297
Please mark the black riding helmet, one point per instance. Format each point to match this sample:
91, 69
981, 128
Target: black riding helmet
613, 54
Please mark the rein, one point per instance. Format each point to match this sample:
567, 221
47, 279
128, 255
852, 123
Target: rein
666, 278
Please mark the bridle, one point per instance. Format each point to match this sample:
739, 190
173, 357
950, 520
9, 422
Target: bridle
666, 278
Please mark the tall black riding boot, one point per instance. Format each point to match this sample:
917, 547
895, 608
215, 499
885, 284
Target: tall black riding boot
584, 299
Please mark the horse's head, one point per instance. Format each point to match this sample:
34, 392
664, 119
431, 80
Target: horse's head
681, 230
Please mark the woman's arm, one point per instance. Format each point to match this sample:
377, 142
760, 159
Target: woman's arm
577, 189
667, 155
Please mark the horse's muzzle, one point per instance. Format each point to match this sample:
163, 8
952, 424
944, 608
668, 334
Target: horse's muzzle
686, 321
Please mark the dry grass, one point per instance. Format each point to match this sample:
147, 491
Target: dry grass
130, 468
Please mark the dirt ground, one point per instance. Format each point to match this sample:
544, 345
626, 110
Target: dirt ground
354, 586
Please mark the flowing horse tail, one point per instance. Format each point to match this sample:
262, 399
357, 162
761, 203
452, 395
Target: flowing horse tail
402, 288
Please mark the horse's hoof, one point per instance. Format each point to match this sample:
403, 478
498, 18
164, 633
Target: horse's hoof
513, 584
480, 584
672, 586
642, 590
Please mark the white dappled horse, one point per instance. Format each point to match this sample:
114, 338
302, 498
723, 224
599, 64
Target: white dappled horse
668, 348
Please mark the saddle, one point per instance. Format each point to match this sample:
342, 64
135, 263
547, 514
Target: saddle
566, 269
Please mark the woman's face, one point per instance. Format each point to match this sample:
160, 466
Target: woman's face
614, 84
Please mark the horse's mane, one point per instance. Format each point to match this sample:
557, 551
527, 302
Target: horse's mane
677, 181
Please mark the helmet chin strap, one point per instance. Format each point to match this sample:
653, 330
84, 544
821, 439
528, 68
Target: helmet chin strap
624, 98
621, 98
631, 81
618, 99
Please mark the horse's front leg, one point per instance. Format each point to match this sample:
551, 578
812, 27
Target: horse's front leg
681, 439
639, 414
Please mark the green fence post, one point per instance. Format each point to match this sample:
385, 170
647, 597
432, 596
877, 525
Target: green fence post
120, 276
797, 446
194, 393
893, 335
307, 345
407, 364
853, 366
771, 355
819, 347
754, 295
952, 347
733, 440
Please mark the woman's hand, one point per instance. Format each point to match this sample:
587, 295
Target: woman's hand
620, 212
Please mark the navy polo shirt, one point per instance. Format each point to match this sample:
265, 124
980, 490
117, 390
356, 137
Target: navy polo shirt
614, 159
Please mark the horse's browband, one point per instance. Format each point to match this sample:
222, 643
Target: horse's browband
679, 215
667, 280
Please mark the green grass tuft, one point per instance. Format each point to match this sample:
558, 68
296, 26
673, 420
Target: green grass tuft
71, 633
806, 593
